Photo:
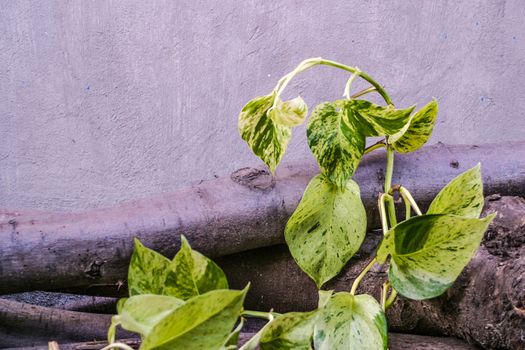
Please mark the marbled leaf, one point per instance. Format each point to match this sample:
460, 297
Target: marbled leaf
335, 142
203, 322
266, 138
191, 274
430, 251
327, 228
350, 322
289, 113
463, 196
376, 120
147, 271
417, 132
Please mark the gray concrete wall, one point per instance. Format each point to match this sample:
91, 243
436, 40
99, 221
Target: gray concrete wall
103, 101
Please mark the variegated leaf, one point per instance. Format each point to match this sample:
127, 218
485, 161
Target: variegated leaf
335, 142
351, 322
203, 322
417, 132
291, 331
147, 271
375, 120
289, 113
141, 313
191, 274
463, 196
266, 138
327, 228
430, 251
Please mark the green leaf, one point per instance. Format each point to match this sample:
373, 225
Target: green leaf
203, 322
289, 113
147, 271
191, 274
351, 322
375, 120
416, 133
430, 251
141, 313
293, 330
463, 196
266, 138
326, 229
324, 297
233, 339
335, 142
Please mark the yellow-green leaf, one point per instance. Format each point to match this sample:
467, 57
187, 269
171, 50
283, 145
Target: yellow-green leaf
141, 313
266, 138
203, 322
335, 142
463, 196
327, 228
351, 322
430, 251
417, 132
147, 271
191, 274
289, 113
375, 120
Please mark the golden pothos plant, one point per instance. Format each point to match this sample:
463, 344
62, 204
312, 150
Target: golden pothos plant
186, 304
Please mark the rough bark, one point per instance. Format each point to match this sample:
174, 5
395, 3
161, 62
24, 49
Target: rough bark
486, 305
396, 342
27, 325
91, 250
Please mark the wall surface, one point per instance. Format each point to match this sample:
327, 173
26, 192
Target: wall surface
104, 101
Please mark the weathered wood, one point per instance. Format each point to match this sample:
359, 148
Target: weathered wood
396, 342
91, 249
26, 325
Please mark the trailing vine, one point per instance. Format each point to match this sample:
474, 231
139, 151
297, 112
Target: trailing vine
185, 303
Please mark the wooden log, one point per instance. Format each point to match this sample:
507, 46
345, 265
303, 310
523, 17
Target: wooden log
248, 210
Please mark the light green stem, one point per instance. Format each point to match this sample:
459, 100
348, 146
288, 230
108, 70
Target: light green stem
380, 144
117, 346
391, 210
391, 299
407, 197
348, 85
363, 92
311, 62
361, 275
260, 314
382, 213
384, 293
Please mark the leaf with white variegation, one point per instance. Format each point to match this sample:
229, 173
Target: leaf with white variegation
147, 271
266, 138
430, 251
141, 313
463, 196
291, 331
191, 274
350, 322
376, 120
203, 322
289, 113
327, 228
335, 142
417, 132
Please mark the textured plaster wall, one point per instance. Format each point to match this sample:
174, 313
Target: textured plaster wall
103, 101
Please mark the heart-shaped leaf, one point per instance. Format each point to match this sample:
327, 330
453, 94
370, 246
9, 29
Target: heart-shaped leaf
147, 271
203, 322
327, 228
463, 196
141, 313
417, 132
266, 138
375, 120
289, 113
430, 251
191, 274
335, 142
350, 322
